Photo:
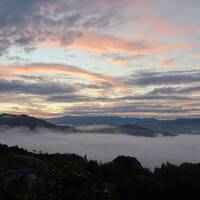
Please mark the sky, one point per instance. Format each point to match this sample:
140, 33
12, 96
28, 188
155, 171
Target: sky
138, 58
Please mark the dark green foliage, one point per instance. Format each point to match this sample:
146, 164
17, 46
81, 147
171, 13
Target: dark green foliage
72, 177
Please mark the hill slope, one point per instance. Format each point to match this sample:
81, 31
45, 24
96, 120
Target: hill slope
25, 175
30, 122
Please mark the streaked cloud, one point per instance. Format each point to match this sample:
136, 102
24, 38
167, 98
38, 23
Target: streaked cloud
42, 88
164, 78
167, 62
130, 57
104, 43
62, 70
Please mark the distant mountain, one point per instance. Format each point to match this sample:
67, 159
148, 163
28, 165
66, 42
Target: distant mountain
34, 123
30, 122
149, 127
177, 126
133, 129
109, 120
129, 129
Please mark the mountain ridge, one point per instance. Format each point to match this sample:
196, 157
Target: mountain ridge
30, 122
132, 126
34, 123
176, 126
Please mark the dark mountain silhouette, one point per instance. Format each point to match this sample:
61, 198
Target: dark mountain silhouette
149, 127
110, 120
33, 123
176, 126
30, 122
129, 129
27, 175
133, 129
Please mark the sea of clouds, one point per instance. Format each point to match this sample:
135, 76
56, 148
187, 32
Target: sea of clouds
149, 151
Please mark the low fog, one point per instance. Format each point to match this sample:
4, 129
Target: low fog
150, 152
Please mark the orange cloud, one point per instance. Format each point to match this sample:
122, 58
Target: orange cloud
102, 43
64, 70
119, 60
167, 62
97, 43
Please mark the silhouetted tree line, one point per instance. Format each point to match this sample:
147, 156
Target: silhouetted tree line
72, 177
14, 149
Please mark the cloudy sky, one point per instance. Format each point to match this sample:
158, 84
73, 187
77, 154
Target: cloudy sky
108, 57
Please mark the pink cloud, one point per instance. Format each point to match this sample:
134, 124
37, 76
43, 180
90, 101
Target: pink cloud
167, 62
12, 71
94, 42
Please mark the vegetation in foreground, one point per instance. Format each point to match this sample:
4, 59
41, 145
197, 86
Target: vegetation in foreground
36, 176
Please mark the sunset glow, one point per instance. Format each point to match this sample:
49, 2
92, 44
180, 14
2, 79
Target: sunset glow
126, 58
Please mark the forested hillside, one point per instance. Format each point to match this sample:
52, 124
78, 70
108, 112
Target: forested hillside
37, 176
